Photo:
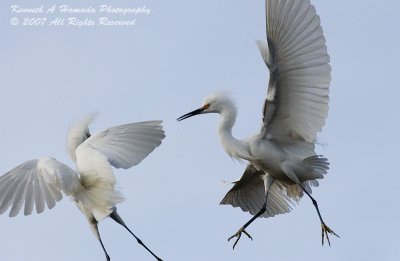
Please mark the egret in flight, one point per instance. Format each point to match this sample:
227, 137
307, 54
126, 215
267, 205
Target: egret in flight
40, 182
282, 163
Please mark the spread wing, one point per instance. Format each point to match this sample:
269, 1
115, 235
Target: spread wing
249, 194
37, 182
127, 145
296, 55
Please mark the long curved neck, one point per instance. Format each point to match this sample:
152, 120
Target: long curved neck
231, 145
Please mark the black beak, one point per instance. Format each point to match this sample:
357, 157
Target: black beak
190, 114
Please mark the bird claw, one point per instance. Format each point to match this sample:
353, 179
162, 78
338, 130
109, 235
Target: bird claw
325, 231
238, 235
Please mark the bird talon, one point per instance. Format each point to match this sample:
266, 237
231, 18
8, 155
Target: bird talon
325, 230
239, 235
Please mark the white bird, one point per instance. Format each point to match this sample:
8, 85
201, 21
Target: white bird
282, 163
41, 182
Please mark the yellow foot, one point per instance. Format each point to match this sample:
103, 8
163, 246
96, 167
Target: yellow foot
238, 235
325, 231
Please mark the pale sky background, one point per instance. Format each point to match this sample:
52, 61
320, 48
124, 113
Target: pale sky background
162, 68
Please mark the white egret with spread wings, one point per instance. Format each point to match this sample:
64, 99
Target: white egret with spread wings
282, 162
40, 182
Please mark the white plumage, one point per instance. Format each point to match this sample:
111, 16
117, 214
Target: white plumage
40, 182
282, 159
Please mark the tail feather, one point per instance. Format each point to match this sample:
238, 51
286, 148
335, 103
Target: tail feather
318, 166
315, 168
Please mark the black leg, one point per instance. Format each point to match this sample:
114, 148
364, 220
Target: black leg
267, 182
242, 229
114, 215
105, 252
325, 228
93, 224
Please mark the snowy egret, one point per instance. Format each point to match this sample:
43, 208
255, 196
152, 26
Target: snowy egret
282, 163
41, 182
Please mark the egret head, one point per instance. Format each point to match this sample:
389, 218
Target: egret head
217, 102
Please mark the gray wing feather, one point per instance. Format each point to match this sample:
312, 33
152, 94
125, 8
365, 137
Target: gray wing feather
296, 55
127, 145
8, 197
19, 198
29, 196
36, 183
50, 201
39, 200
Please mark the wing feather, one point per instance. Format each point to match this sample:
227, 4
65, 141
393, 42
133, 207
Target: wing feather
39, 200
36, 183
29, 196
8, 197
296, 55
48, 198
19, 198
249, 194
55, 193
127, 145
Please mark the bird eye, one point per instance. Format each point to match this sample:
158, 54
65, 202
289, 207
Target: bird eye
206, 106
